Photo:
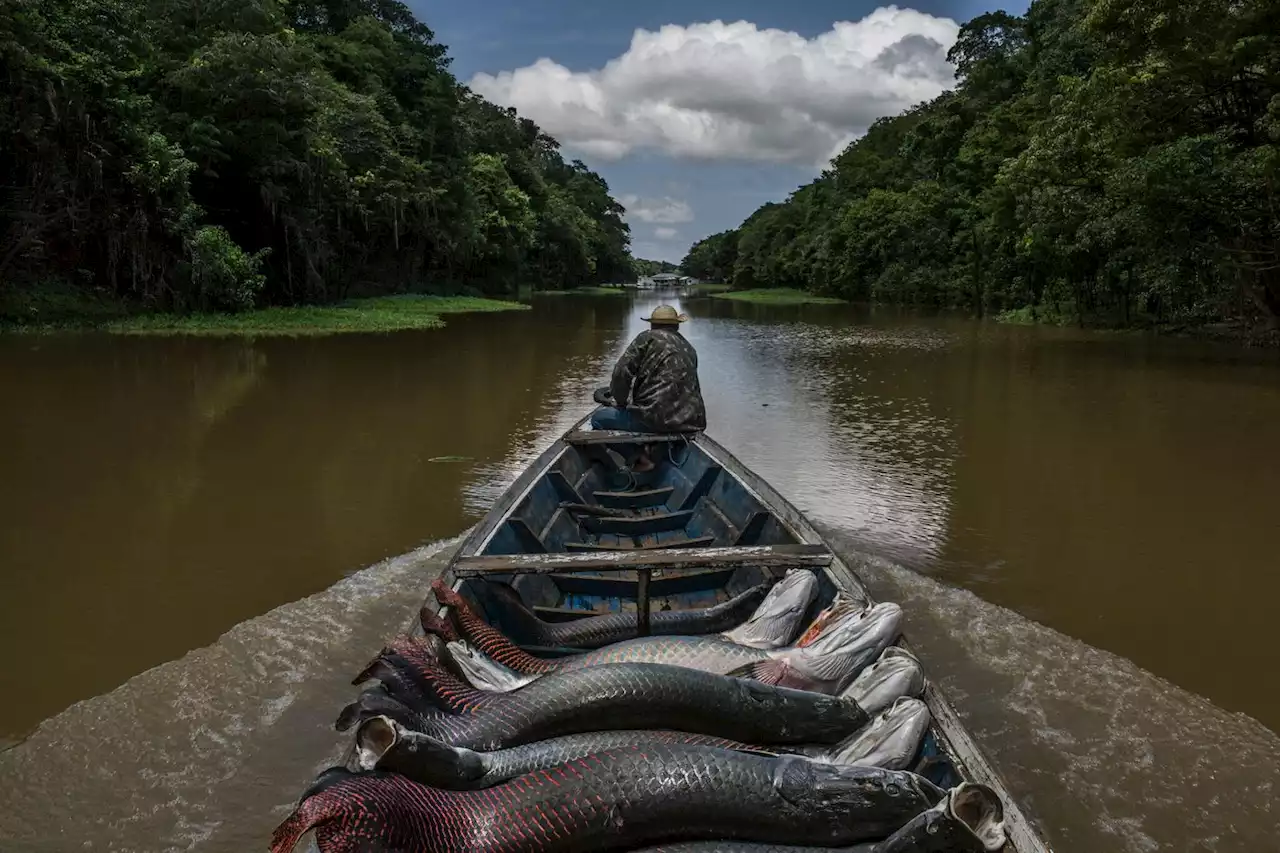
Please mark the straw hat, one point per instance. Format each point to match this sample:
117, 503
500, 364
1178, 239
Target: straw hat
665, 314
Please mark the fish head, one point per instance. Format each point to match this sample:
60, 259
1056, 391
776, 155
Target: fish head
374, 738
482, 671
848, 642
384, 744
890, 741
968, 819
980, 810
896, 673
774, 622
829, 792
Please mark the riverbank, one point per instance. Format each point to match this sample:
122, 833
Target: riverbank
708, 288
778, 296
592, 290
1235, 332
377, 314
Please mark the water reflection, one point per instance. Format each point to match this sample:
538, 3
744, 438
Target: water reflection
160, 491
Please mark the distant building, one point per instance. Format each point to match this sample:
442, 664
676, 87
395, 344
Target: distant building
665, 278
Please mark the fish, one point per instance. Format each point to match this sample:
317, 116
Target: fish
842, 641
895, 673
384, 744
891, 740
614, 800
611, 697
891, 736
969, 819
592, 632
778, 617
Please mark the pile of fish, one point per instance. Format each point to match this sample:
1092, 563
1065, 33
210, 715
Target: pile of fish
728, 730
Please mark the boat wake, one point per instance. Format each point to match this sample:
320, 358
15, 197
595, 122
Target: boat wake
1106, 755
208, 752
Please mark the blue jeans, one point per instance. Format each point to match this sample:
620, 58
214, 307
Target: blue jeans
607, 417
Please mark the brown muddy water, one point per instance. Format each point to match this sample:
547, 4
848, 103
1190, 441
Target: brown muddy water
1081, 527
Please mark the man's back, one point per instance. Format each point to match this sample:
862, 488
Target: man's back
657, 380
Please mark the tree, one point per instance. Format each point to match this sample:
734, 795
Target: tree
222, 154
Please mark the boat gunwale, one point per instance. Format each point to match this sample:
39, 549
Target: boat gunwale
952, 735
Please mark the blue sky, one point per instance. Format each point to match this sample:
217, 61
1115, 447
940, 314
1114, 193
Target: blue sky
697, 125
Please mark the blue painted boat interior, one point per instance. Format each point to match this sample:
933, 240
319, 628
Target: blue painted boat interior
687, 501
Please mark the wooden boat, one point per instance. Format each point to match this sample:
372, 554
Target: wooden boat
575, 536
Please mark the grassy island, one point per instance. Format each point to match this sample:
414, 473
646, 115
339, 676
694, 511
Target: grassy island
778, 296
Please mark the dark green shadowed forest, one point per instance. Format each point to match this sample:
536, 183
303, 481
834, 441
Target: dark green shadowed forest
217, 155
1111, 162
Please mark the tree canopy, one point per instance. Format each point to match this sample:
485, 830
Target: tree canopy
1109, 161
642, 267
225, 153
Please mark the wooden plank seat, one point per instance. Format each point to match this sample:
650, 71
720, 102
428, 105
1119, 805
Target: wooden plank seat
694, 542
605, 559
635, 500
611, 436
636, 525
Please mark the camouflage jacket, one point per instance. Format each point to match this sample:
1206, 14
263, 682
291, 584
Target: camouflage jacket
657, 381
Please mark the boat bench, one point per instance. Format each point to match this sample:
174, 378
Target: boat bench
583, 437
643, 562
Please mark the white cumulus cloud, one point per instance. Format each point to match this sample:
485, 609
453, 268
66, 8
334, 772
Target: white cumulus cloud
664, 211
664, 233
732, 90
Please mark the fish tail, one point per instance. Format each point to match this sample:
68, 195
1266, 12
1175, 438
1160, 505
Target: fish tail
289, 833
317, 807
309, 814
444, 594
440, 686
347, 717
367, 674
372, 703
436, 626
485, 637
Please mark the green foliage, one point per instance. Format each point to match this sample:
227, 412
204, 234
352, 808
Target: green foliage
642, 268
223, 276
713, 258
1112, 161
214, 155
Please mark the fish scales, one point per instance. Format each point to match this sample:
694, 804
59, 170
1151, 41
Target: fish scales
624, 696
614, 800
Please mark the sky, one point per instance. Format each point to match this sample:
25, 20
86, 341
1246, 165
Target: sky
699, 111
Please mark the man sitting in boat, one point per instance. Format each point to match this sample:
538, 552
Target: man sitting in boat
655, 384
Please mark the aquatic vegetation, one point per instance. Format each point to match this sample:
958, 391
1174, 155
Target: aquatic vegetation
379, 314
778, 296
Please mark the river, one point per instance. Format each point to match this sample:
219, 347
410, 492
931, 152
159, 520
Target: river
1080, 525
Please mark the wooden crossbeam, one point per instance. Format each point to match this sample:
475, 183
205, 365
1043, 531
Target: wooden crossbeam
764, 556
611, 436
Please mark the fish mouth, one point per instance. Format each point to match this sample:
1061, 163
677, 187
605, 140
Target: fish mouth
843, 605
980, 810
375, 737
